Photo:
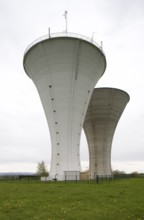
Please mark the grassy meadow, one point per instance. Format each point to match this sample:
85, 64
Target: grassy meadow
110, 200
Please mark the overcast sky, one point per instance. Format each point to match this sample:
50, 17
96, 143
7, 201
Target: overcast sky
24, 135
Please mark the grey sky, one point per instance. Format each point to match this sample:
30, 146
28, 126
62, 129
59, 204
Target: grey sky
24, 136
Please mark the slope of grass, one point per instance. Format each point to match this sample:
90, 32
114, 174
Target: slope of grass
115, 200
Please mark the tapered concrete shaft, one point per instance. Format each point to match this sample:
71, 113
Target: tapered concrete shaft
65, 69
105, 109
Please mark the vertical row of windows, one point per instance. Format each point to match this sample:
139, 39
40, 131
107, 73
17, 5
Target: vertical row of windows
56, 127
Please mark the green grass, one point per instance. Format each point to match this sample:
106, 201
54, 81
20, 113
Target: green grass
111, 200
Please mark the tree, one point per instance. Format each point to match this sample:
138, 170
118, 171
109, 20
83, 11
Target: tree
118, 173
42, 169
135, 174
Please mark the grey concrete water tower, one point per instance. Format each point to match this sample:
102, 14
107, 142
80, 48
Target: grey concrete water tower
65, 68
105, 109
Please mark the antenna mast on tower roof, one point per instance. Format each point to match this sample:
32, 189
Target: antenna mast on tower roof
65, 15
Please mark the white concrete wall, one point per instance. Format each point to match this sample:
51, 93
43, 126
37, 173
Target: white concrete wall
65, 70
105, 109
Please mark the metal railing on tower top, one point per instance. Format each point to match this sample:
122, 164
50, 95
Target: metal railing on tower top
64, 34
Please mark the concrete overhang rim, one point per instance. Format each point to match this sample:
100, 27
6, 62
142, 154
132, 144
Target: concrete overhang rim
112, 88
64, 35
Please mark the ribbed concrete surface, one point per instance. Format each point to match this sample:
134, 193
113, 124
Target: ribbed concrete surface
105, 109
65, 70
